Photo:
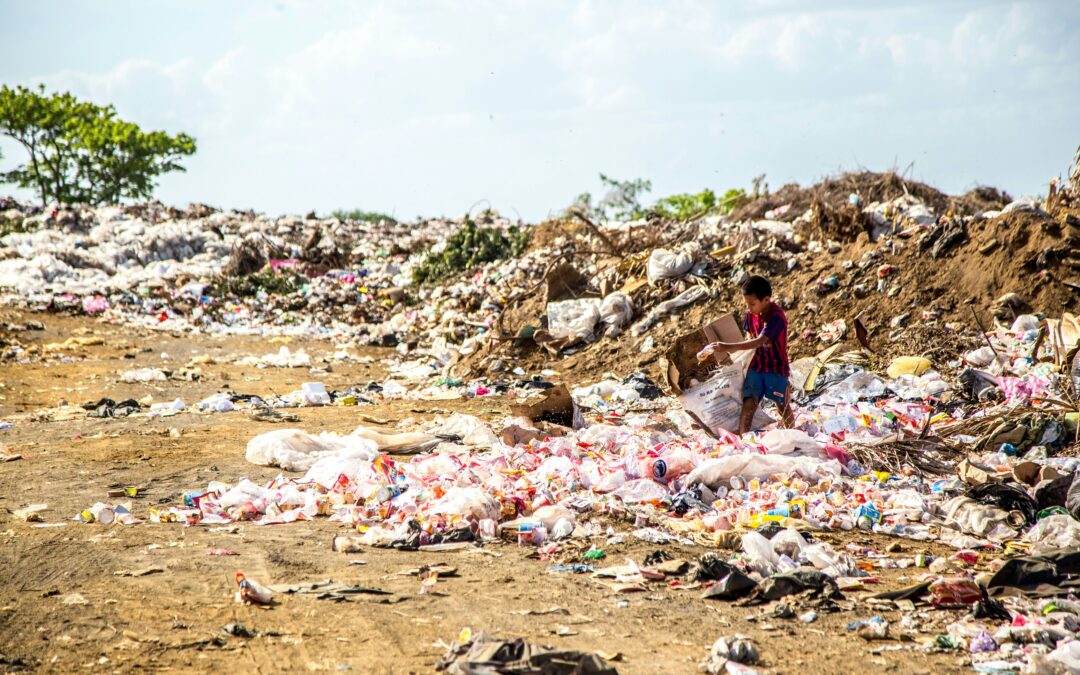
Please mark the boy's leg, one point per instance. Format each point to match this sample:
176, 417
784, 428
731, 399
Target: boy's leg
746, 417
787, 417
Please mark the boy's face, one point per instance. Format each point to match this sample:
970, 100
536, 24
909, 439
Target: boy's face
755, 304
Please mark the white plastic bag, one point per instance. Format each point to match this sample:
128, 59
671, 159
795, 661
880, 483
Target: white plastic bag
980, 520
665, 264
471, 503
788, 441
717, 402
573, 319
295, 450
1054, 532
470, 429
714, 472
616, 311
641, 490
689, 296
759, 552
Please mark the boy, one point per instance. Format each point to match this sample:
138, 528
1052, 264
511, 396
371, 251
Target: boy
770, 369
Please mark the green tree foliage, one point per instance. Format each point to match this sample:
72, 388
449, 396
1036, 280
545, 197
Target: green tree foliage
471, 246
80, 152
621, 200
687, 205
363, 216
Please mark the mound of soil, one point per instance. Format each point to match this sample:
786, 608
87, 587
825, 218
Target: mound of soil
1022, 252
871, 187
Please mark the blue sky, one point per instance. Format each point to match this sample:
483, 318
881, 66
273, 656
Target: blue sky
427, 107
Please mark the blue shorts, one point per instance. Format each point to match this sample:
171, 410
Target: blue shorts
760, 385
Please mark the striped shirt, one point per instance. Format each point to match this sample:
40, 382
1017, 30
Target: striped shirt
771, 357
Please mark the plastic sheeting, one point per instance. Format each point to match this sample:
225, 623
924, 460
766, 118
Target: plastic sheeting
296, 450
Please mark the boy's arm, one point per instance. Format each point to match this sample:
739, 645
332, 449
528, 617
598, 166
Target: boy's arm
721, 347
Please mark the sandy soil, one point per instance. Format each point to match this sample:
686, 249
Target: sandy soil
172, 619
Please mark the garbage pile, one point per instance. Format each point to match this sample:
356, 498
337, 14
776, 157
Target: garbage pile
908, 453
912, 260
922, 426
228, 272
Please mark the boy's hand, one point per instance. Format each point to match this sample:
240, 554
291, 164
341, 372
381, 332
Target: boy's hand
711, 349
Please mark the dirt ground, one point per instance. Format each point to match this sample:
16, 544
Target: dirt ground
173, 619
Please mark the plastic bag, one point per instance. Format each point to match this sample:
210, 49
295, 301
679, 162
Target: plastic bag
717, 402
1054, 532
219, 402
665, 264
573, 319
718, 471
690, 295
828, 560
759, 552
295, 450
326, 470
616, 310
641, 490
551, 515
788, 441
911, 387
470, 429
1025, 323
977, 519
908, 365
471, 503
788, 542
243, 492
981, 357
857, 386
1063, 660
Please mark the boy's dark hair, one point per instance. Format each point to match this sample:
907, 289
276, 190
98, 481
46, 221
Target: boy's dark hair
757, 286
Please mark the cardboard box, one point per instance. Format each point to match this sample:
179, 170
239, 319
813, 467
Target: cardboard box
683, 366
711, 393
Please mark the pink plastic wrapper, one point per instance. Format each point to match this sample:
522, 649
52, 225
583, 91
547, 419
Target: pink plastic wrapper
95, 304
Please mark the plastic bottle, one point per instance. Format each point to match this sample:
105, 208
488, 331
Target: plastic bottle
388, 492
252, 592
671, 466
488, 529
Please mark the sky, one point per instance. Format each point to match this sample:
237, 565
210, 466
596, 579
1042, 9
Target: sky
437, 107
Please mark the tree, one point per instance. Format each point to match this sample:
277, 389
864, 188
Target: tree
621, 201
80, 152
686, 205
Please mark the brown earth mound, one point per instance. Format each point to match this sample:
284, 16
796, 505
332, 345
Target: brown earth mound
870, 186
1025, 253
